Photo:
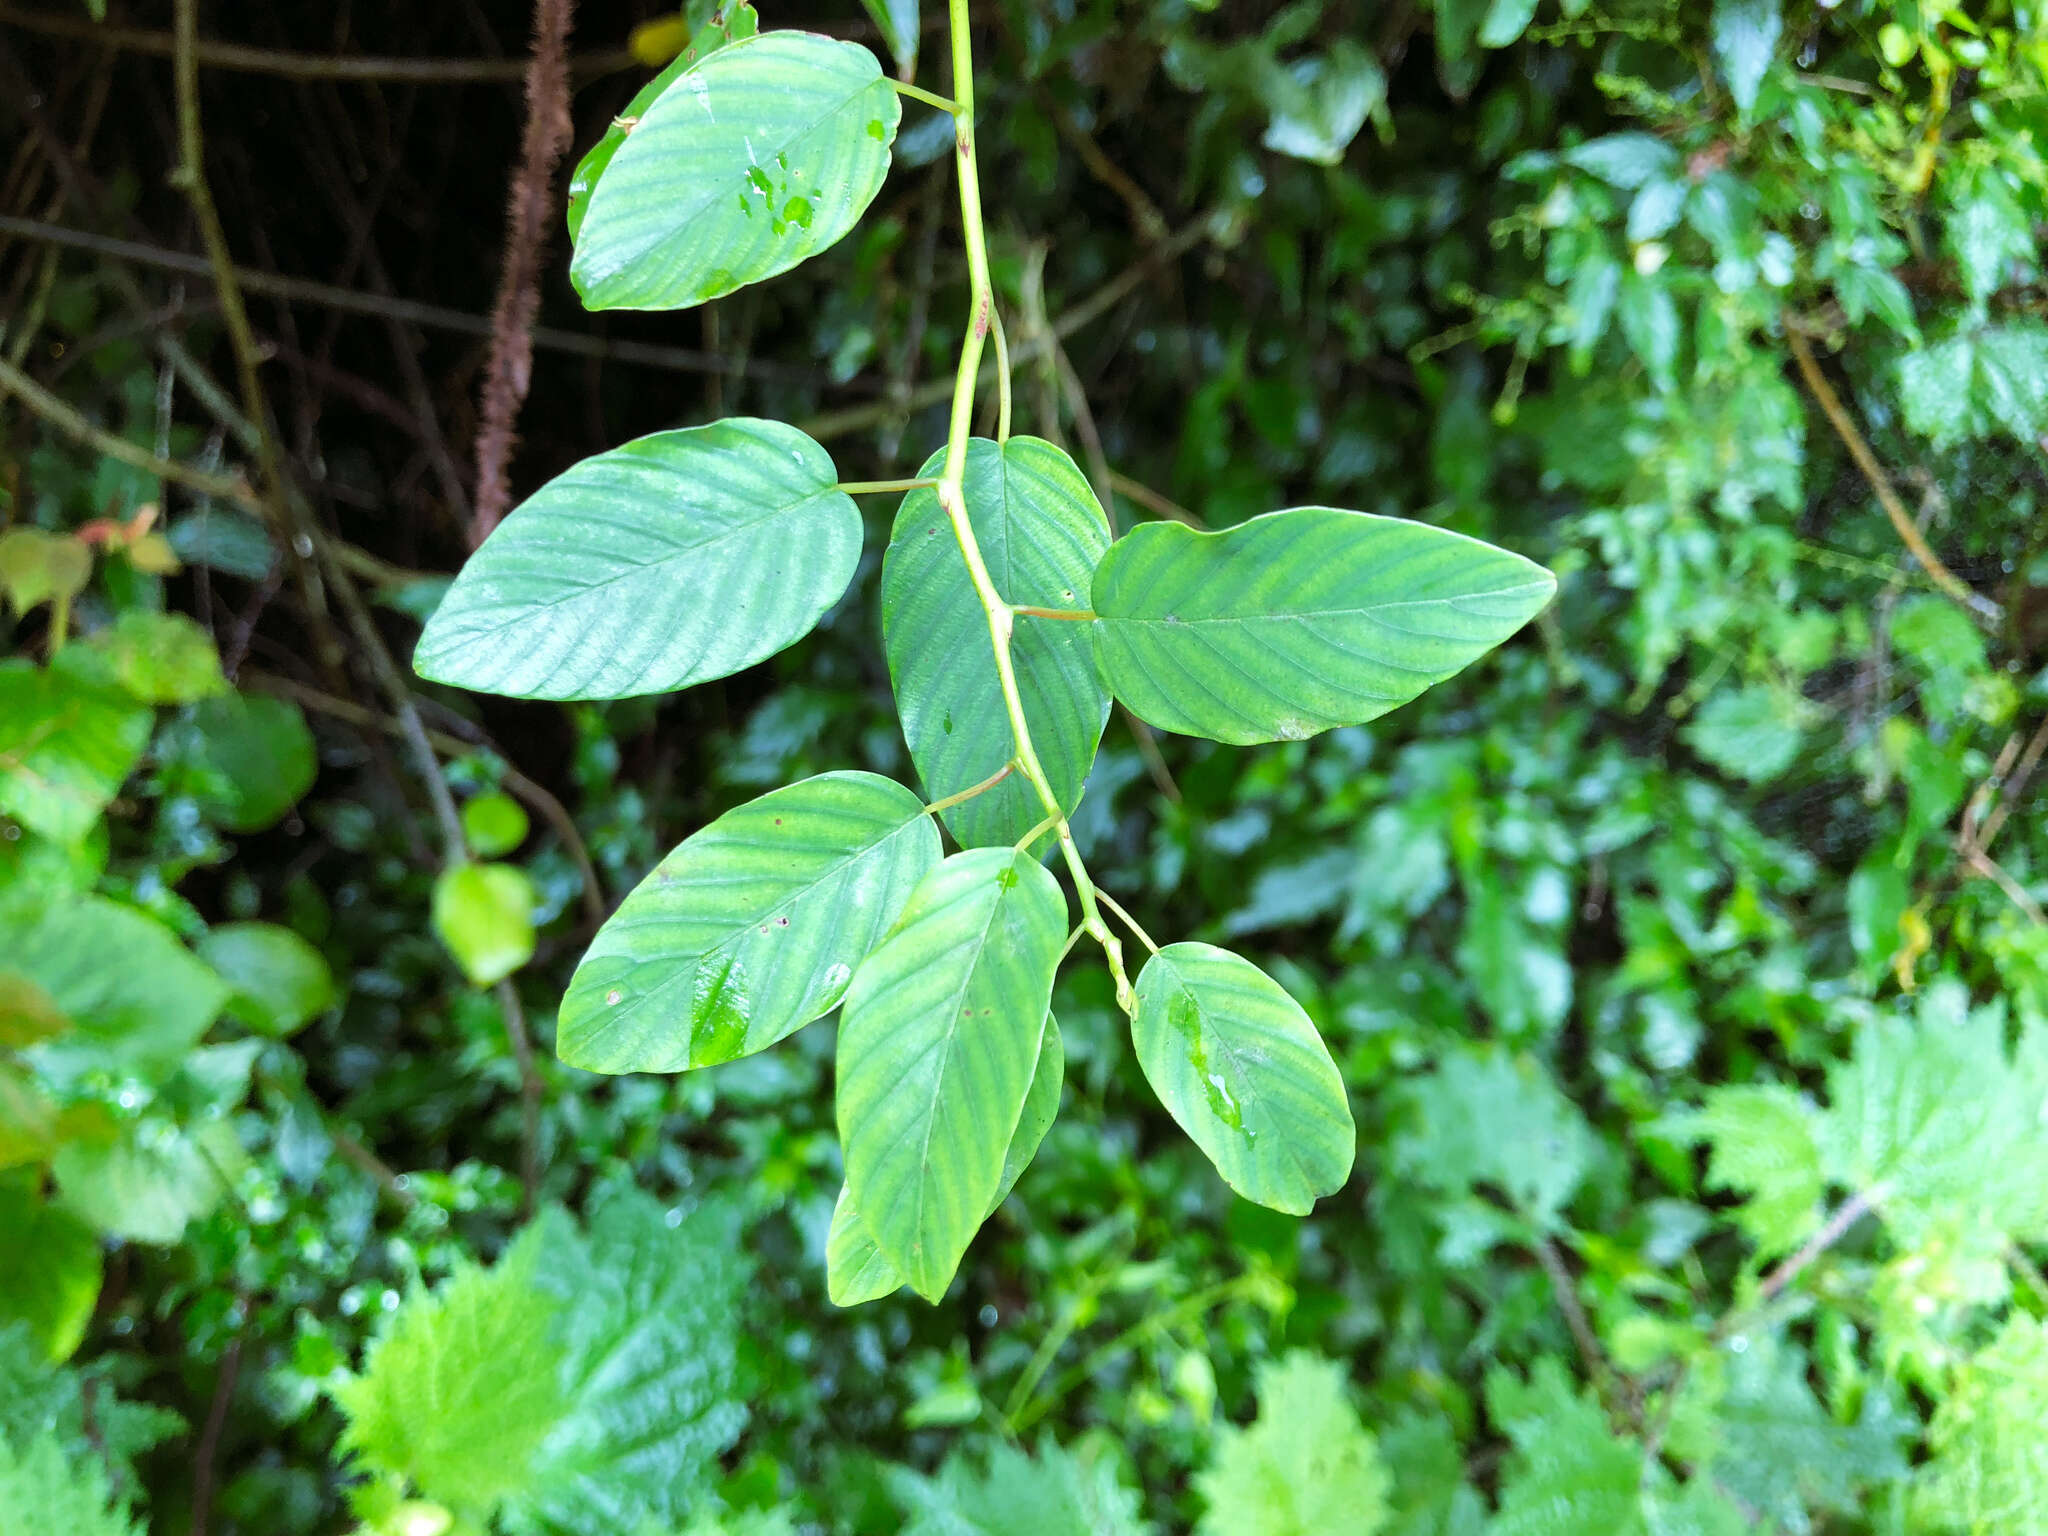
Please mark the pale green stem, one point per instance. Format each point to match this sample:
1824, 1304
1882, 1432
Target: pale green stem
882, 487
953, 496
1130, 922
995, 316
929, 98
965, 795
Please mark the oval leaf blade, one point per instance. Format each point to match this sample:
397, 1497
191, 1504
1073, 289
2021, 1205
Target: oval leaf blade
675, 559
856, 1271
938, 1044
763, 154
1298, 621
1240, 1067
749, 929
1041, 533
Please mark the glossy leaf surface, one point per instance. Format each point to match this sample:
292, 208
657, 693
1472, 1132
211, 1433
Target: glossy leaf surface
749, 929
484, 914
1299, 621
765, 153
938, 1045
856, 1271
1240, 1067
677, 558
1041, 533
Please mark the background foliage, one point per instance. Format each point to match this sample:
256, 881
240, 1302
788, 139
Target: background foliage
1685, 960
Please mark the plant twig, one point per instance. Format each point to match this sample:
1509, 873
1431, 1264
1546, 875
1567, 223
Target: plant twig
216, 1421
304, 66
527, 216
965, 795
530, 1088
1129, 921
1971, 601
1564, 1290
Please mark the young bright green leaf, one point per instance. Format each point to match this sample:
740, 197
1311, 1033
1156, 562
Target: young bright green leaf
897, 21
1301, 620
462, 1386
49, 1271
763, 154
1745, 35
161, 658
493, 824
938, 1044
1989, 1472
281, 983
43, 1490
67, 744
1240, 1067
245, 758
1041, 533
856, 1271
484, 914
152, 1180
675, 559
1305, 1467
1488, 1116
726, 26
1760, 1138
27, 1012
749, 929
37, 566
1569, 1474
136, 1018
1047, 1492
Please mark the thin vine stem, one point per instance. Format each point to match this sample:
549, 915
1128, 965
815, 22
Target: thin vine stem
952, 495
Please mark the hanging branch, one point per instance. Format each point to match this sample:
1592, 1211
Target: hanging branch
510, 370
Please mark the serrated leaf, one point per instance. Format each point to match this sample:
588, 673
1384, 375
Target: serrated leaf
1979, 384
1242, 1070
246, 759
856, 1271
1490, 1117
1301, 620
1041, 533
1569, 1474
1751, 733
462, 1385
161, 658
1304, 1467
49, 1271
484, 914
749, 929
650, 1326
79, 1406
135, 1018
43, 1490
938, 1044
1006, 1491
726, 26
67, 744
1988, 1475
280, 982
675, 559
1761, 1141
761, 155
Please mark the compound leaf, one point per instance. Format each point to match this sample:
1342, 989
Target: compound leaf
1301, 620
1041, 532
938, 1044
1240, 1067
856, 1271
675, 559
749, 929
761, 155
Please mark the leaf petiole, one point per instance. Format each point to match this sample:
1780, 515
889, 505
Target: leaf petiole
929, 98
969, 793
1129, 922
882, 487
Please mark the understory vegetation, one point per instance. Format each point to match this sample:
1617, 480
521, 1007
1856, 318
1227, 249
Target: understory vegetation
1669, 986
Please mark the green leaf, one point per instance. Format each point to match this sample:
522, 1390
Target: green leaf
1301, 620
1988, 1475
650, 1323
43, 1490
161, 658
462, 1386
1242, 1070
898, 22
1624, 160
1489, 1117
938, 1044
678, 558
1008, 1492
484, 914
763, 154
1761, 1146
1041, 532
49, 1271
1319, 103
37, 566
80, 1407
749, 929
246, 759
1305, 1467
1752, 733
1506, 21
137, 1018
856, 1271
1979, 384
1745, 35
27, 1013
493, 824
1569, 1475
152, 1180
67, 744
726, 26
281, 983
